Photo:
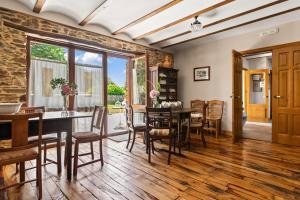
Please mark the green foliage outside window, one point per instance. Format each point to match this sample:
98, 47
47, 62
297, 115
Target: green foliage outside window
113, 89
47, 51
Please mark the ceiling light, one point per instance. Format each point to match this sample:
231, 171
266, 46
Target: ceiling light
196, 25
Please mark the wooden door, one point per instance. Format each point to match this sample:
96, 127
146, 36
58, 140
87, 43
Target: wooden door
257, 95
286, 95
237, 107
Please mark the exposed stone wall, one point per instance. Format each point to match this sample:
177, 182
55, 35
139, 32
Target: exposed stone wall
13, 49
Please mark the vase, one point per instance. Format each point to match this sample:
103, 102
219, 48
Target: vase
65, 106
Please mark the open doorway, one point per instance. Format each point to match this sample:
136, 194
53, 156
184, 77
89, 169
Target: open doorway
116, 94
257, 107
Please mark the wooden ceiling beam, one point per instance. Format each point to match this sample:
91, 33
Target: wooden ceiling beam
168, 38
151, 14
38, 6
245, 13
92, 14
184, 19
227, 19
236, 26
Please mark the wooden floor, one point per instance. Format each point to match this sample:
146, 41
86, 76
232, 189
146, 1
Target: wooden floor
258, 131
248, 170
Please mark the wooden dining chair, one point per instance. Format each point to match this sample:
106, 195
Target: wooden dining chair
133, 127
159, 127
198, 117
90, 137
21, 150
47, 140
214, 113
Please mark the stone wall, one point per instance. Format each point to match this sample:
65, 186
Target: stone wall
13, 48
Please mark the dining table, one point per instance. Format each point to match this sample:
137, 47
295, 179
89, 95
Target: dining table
53, 122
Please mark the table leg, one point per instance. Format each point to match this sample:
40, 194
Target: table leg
69, 150
179, 135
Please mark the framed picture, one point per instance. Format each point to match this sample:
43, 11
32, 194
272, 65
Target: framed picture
202, 73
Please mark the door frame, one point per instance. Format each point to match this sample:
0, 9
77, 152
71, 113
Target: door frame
247, 91
259, 51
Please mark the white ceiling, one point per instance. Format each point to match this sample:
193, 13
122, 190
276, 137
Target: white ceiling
115, 14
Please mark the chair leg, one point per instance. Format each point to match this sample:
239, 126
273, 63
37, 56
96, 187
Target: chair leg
144, 137
58, 153
45, 152
133, 140
75, 159
202, 137
65, 156
92, 150
17, 167
22, 171
170, 149
174, 144
149, 149
152, 146
129, 136
39, 176
101, 152
217, 128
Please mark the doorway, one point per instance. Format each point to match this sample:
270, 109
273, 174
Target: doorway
257, 107
284, 93
117, 88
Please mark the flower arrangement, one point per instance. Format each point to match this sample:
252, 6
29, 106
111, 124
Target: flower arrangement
154, 94
66, 89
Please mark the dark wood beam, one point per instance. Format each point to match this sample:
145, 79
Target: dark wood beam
151, 14
245, 13
227, 19
92, 14
184, 19
168, 38
236, 26
38, 6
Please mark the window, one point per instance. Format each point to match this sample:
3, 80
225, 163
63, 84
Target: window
51, 61
47, 62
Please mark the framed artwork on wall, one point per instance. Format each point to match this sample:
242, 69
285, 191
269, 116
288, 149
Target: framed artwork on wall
202, 73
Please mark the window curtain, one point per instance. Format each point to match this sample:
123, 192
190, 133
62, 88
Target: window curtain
40, 91
90, 86
88, 79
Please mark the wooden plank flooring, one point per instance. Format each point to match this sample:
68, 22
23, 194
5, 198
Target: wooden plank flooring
247, 170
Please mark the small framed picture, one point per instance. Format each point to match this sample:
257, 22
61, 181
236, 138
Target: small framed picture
202, 73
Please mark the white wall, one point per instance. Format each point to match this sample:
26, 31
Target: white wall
218, 55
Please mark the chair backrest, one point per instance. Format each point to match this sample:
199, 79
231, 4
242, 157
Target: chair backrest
33, 109
20, 129
198, 106
158, 118
98, 118
215, 109
129, 116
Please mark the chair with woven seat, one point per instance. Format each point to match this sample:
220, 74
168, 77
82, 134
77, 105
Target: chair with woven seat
90, 137
21, 150
198, 117
214, 113
132, 126
47, 140
159, 127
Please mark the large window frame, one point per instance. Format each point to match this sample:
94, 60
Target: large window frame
71, 63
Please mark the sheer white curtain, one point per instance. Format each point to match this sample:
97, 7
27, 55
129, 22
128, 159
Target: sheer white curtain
90, 86
41, 73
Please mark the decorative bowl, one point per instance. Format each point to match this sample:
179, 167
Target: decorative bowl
9, 108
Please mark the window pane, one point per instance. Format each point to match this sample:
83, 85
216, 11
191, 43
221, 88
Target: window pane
89, 79
47, 62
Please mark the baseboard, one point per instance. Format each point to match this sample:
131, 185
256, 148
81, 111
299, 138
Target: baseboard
227, 133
